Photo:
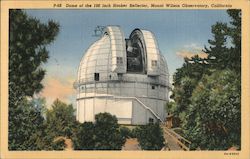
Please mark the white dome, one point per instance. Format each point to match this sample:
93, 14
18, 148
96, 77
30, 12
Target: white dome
96, 59
125, 77
102, 56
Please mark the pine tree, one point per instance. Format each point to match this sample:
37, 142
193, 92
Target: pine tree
27, 51
235, 33
225, 49
218, 53
207, 91
60, 119
186, 79
28, 38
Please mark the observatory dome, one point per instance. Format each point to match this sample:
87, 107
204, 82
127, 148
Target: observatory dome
127, 77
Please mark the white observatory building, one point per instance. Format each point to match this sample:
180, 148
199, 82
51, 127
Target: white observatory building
126, 77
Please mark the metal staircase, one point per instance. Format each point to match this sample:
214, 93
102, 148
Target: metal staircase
139, 101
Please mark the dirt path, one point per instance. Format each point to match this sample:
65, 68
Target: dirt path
69, 144
131, 144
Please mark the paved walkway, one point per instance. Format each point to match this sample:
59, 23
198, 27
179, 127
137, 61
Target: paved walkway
131, 145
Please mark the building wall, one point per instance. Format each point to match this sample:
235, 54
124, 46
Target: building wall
139, 114
121, 108
127, 111
118, 98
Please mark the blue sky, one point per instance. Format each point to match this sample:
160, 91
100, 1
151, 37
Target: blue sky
179, 33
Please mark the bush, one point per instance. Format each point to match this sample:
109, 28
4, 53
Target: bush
107, 134
125, 132
133, 133
104, 134
84, 137
150, 136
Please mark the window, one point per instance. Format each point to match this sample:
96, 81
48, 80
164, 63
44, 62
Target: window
153, 87
151, 120
135, 55
119, 60
96, 76
154, 63
119, 75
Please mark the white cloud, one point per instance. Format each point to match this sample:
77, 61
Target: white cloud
190, 50
61, 88
189, 54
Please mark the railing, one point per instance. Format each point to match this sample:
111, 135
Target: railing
181, 141
123, 79
146, 107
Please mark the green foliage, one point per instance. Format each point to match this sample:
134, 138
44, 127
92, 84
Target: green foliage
220, 56
218, 52
207, 95
150, 136
106, 120
60, 119
170, 107
225, 49
193, 68
126, 132
25, 127
185, 80
102, 135
213, 120
27, 51
183, 92
84, 138
28, 38
235, 33
108, 136
30, 128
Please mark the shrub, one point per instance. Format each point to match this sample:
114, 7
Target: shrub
125, 132
150, 136
107, 134
84, 137
104, 134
